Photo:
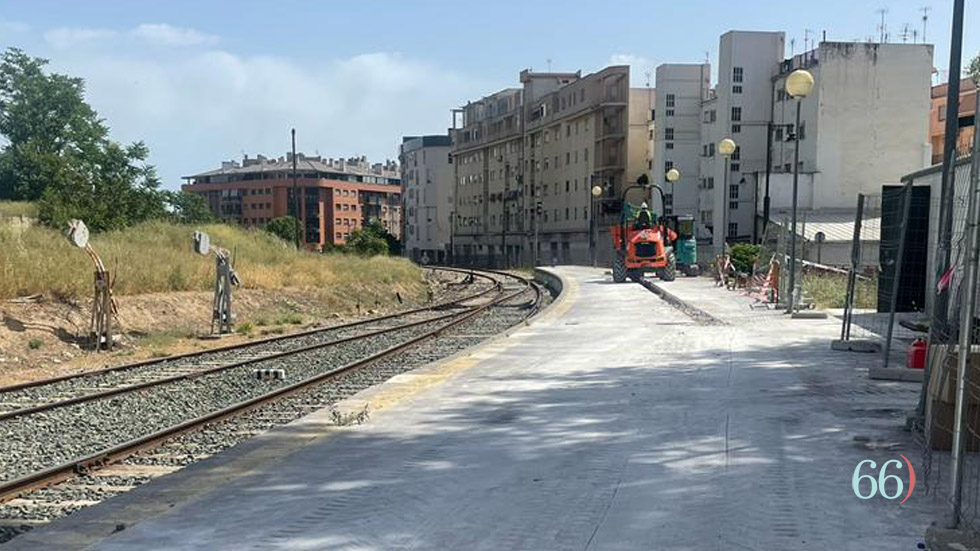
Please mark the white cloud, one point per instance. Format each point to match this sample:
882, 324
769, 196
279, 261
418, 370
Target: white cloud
68, 37
195, 107
167, 35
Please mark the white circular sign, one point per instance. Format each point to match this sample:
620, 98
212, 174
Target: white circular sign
78, 233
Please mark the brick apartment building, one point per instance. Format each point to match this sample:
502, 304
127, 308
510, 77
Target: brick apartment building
937, 119
336, 196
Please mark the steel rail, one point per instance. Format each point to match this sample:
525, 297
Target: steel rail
240, 346
12, 414
86, 464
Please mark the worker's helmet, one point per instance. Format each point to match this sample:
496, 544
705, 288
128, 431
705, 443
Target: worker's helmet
644, 205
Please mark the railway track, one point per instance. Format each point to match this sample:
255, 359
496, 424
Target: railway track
130, 420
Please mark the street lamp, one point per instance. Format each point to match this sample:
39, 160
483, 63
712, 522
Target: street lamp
726, 148
594, 224
672, 176
799, 83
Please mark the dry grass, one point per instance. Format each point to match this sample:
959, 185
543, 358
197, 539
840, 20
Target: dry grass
157, 257
17, 208
830, 290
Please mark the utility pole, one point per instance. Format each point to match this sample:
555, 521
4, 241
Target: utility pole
940, 310
295, 190
882, 29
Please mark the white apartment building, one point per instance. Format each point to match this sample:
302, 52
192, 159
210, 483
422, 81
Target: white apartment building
681, 89
739, 109
427, 196
864, 124
526, 159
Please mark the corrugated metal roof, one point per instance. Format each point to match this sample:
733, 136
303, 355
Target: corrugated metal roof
836, 225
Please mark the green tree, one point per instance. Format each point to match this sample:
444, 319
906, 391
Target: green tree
283, 227
974, 70
48, 126
58, 152
368, 241
744, 256
188, 208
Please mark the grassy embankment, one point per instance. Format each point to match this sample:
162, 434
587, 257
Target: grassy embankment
830, 290
157, 257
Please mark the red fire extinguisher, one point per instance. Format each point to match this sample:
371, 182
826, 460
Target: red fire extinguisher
917, 354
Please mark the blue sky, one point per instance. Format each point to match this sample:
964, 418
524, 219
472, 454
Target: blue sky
205, 81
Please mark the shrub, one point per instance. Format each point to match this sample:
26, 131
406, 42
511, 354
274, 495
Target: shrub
744, 256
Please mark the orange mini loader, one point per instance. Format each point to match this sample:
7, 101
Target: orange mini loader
642, 243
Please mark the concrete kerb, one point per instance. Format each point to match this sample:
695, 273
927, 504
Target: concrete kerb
689, 309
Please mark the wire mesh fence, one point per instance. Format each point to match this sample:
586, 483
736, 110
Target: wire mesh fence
953, 349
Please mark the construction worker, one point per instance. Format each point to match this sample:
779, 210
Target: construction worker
643, 218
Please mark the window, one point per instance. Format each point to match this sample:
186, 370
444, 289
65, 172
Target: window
942, 112
711, 149
668, 165
736, 114
803, 130
735, 167
669, 113
568, 158
737, 154
737, 74
585, 152
669, 145
711, 182
736, 128
778, 133
732, 229
733, 205
733, 191
566, 213
780, 94
568, 186
668, 133
737, 89
671, 100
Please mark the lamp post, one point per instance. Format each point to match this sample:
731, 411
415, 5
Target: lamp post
798, 85
672, 176
726, 148
596, 191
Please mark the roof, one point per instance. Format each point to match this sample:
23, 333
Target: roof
837, 225
261, 164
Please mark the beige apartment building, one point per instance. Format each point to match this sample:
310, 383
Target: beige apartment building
526, 159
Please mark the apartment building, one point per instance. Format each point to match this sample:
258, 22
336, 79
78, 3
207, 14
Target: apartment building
526, 159
967, 119
335, 196
427, 197
739, 109
681, 89
864, 124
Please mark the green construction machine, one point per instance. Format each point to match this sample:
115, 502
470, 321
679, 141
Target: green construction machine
686, 246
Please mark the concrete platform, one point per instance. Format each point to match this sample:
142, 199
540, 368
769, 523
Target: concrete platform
613, 422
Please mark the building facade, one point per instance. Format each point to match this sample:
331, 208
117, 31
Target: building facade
525, 161
864, 124
427, 197
335, 197
681, 89
967, 119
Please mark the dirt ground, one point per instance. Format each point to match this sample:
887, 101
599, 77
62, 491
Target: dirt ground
44, 339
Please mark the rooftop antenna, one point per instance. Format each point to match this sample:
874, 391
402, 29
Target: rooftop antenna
792, 47
915, 36
905, 33
647, 73
925, 19
882, 27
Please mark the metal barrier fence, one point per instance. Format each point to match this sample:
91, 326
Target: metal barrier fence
948, 412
